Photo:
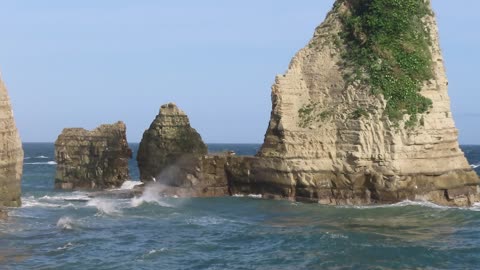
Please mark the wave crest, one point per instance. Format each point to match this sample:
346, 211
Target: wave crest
105, 206
151, 194
65, 223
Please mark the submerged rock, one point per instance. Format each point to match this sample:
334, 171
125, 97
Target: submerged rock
96, 159
169, 139
11, 154
341, 133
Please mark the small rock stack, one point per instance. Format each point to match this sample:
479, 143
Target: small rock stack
170, 139
95, 159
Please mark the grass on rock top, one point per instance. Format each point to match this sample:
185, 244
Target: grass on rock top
388, 49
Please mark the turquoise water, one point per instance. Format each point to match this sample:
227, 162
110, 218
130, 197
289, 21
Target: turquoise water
61, 230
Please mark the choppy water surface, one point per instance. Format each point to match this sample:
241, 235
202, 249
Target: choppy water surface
61, 230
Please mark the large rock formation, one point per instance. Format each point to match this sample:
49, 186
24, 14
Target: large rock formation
169, 139
96, 159
11, 154
348, 125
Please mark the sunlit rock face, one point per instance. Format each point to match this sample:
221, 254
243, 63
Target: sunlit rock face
96, 159
11, 154
330, 139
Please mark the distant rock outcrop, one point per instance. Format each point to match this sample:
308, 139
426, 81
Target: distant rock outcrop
96, 159
11, 154
169, 139
363, 115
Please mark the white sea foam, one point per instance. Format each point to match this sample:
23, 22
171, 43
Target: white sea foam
41, 157
65, 223
474, 166
67, 246
151, 194
105, 206
475, 207
29, 202
404, 204
255, 196
153, 251
206, 221
76, 196
41, 163
128, 185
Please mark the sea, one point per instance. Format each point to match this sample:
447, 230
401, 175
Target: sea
69, 230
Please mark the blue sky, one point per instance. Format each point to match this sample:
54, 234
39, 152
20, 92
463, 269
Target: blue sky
84, 63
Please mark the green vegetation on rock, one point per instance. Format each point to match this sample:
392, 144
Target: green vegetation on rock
388, 49
311, 113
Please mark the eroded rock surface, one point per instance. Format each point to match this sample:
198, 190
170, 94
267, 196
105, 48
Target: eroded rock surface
96, 159
170, 139
11, 154
329, 139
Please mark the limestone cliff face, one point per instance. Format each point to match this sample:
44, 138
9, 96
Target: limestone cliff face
11, 154
169, 138
96, 159
319, 146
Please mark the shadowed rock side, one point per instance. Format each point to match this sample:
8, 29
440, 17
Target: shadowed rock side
330, 140
96, 159
11, 154
169, 139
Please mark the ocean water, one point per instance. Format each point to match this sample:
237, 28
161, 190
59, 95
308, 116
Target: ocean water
68, 230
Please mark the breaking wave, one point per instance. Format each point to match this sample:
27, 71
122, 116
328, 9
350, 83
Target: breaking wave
65, 223
29, 202
106, 206
128, 185
151, 194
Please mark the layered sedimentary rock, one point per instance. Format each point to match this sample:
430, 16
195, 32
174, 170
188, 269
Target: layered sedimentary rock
332, 137
170, 139
11, 154
96, 159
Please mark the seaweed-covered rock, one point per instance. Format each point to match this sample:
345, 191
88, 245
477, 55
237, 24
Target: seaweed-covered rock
11, 154
96, 159
169, 139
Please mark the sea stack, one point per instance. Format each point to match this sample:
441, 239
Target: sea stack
363, 115
170, 139
96, 159
11, 154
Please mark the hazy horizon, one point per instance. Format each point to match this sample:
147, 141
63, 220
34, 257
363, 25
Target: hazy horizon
82, 64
